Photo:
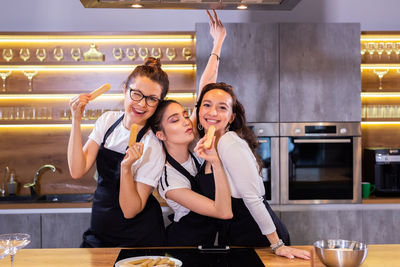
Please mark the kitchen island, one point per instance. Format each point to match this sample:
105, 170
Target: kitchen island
378, 255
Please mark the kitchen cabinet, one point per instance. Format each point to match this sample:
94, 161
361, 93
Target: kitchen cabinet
290, 72
40, 72
22, 223
250, 63
64, 230
319, 72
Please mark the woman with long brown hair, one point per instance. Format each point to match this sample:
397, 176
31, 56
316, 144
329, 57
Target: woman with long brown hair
253, 223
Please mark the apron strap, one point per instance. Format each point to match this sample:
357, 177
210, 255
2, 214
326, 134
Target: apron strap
177, 166
111, 129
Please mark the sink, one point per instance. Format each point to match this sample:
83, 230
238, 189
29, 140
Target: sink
64, 198
48, 198
16, 199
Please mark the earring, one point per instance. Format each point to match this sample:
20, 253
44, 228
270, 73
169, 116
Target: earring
227, 127
200, 127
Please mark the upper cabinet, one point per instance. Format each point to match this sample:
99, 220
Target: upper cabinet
320, 72
250, 63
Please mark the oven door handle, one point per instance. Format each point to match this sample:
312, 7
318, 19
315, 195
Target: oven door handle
308, 141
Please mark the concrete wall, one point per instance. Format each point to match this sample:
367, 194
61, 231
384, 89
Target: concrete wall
70, 15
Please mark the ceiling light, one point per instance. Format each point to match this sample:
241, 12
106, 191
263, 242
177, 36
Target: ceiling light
136, 6
241, 7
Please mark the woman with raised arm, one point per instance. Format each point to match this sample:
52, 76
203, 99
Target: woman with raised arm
123, 177
253, 223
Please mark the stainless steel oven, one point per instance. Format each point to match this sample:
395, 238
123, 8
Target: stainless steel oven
268, 140
320, 163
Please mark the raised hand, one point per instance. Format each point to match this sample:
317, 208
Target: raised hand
210, 154
134, 152
77, 105
217, 29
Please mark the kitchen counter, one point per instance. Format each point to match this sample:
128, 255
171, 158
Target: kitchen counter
379, 255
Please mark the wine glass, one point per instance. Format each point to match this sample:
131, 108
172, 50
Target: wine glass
58, 53
143, 53
131, 53
171, 53
381, 73
76, 54
41, 54
24, 54
13, 242
380, 48
30, 74
396, 49
117, 53
4, 75
187, 53
364, 47
371, 49
8, 54
389, 49
156, 52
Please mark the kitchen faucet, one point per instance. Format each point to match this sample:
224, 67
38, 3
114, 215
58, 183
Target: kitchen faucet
34, 186
3, 189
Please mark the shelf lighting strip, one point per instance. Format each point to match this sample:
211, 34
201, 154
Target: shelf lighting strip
69, 96
43, 125
96, 39
190, 67
380, 123
380, 66
381, 95
374, 38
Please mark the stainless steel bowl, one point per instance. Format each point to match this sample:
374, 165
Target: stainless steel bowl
341, 253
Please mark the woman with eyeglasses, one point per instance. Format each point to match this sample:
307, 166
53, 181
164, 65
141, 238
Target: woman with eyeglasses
115, 222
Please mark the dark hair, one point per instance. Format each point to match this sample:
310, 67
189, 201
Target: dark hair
238, 124
156, 119
151, 69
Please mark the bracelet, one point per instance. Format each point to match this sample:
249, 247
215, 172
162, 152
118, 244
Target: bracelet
277, 245
218, 58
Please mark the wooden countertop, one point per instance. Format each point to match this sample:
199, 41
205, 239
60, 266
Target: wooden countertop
378, 255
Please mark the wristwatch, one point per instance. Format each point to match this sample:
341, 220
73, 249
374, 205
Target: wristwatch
277, 245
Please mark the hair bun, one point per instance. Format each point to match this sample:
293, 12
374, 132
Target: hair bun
152, 62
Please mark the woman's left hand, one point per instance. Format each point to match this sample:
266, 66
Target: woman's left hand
133, 153
290, 253
209, 154
217, 29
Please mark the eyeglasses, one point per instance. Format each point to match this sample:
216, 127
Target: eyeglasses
137, 96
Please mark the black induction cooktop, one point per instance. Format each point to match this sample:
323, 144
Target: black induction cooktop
194, 257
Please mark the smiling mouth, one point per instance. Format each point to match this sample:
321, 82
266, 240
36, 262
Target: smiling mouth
211, 121
138, 112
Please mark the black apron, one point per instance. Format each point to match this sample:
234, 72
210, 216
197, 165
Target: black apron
192, 229
242, 229
108, 226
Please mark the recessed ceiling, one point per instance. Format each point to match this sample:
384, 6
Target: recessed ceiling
193, 4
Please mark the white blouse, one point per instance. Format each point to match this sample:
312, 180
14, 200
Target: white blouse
245, 182
149, 167
176, 180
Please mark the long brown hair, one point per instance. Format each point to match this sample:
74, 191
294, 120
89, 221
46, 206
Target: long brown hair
151, 69
238, 124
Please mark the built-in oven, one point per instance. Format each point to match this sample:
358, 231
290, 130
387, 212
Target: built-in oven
268, 149
320, 163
